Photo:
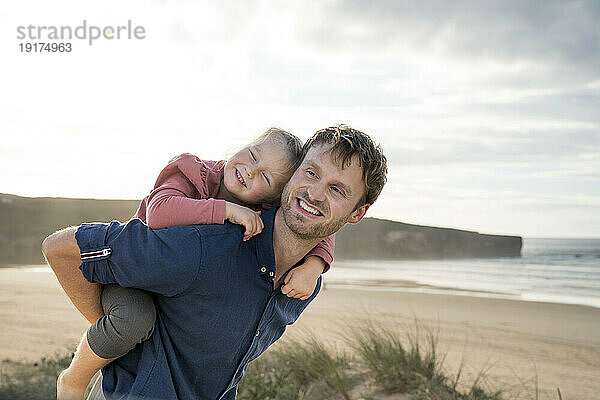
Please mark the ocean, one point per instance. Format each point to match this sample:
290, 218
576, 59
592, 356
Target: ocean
563, 271
550, 270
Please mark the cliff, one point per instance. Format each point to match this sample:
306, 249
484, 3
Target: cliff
374, 238
26, 221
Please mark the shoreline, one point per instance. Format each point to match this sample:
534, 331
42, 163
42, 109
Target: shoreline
416, 287
515, 341
481, 278
392, 285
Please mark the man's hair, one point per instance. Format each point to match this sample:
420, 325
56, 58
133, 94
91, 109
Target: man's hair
347, 142
287, 141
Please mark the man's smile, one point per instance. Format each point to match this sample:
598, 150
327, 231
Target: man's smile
308, 209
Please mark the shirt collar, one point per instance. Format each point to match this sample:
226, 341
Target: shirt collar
263, 244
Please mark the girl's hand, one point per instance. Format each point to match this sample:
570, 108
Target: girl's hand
241, 215
301, 281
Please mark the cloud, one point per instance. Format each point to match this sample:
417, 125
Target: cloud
546, 55
471, 97
549, 31
498, 147
491, 209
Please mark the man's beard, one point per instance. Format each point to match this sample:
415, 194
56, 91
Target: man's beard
294, 222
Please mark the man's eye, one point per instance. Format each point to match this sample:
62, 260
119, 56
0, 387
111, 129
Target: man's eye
336, 190
310, 173
252, 155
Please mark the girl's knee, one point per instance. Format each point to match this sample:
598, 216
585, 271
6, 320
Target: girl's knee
130, 315
142, 314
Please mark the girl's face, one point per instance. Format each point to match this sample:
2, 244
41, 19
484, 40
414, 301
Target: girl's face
256, 174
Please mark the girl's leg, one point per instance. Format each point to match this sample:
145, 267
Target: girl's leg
73, 381
129, 319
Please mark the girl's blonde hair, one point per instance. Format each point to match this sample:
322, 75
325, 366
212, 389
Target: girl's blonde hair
288, 142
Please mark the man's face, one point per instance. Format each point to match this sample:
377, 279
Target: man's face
321, 196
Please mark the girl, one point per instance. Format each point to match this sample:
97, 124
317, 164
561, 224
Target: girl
193, 191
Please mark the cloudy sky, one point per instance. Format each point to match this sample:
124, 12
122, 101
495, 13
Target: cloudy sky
489, 113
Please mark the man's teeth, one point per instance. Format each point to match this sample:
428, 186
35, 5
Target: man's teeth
308, 208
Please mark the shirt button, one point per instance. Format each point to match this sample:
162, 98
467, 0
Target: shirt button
257, 333
263, 269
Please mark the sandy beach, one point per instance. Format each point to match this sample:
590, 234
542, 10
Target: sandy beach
513, 341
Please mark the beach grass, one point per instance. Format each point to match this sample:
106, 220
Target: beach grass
376, 362
32, 380
381, 363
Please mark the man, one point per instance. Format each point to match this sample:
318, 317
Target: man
217, 297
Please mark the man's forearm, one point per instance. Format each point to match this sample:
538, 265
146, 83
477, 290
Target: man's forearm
62, 253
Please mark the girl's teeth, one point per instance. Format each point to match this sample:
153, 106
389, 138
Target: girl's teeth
239, 176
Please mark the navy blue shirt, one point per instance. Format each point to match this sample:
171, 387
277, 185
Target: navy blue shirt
216, 306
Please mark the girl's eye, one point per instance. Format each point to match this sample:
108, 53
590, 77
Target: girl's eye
310, 173
252, 155
266, 178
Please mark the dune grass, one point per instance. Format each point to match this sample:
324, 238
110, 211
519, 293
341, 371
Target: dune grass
379, 363
31, 381
382, 363
310, 361
395, 367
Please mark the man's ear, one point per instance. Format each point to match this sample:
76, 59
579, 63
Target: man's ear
358, 214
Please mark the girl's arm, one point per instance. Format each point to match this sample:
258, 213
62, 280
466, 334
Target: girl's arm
173, 203
324, 250
300, 282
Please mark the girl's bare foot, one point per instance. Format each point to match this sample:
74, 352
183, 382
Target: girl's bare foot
66, 389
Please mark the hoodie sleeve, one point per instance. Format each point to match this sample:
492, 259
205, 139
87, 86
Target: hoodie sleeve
324, 250
180, 196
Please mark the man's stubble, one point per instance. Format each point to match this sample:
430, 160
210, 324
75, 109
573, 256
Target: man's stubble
295, 224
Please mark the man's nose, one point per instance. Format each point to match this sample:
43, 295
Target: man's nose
316, 192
